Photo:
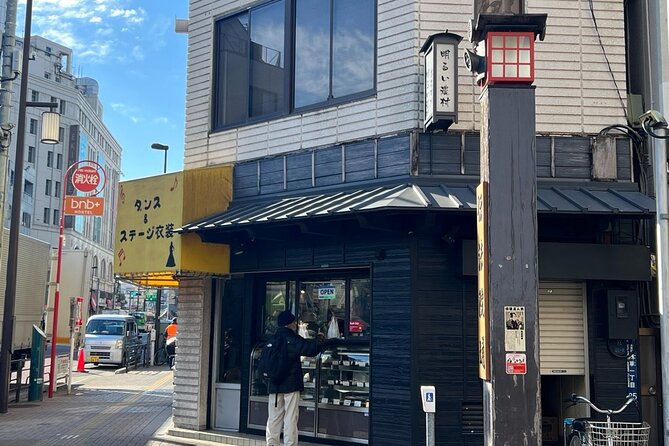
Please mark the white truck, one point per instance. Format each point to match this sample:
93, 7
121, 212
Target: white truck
32, 278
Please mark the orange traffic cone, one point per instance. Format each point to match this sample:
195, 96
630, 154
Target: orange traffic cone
81, 361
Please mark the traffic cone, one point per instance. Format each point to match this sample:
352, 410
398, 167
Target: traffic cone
81, 361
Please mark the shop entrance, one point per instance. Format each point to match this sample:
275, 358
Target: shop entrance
563, 354
335, 401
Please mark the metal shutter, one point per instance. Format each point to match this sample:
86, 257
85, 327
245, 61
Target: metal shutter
562, 337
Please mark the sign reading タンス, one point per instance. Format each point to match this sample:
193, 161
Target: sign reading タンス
149, 210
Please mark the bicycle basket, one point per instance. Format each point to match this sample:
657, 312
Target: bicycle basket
599, 433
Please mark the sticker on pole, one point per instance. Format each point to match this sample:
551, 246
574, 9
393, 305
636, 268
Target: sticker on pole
87, 179
516, 364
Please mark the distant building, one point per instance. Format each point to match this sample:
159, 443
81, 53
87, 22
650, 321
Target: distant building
83, 135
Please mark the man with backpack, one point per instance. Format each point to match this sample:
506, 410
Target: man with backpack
280, 364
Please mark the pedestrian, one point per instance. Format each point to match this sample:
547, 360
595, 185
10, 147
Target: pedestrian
171, 341
284, 395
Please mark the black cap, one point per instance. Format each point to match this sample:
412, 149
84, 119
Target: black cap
285, 318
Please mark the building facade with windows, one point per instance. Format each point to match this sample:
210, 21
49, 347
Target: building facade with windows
348, 212
82, 135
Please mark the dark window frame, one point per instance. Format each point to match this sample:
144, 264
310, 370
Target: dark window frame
287, 107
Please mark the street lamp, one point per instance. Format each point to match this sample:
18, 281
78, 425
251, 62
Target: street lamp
164, 148
50, 123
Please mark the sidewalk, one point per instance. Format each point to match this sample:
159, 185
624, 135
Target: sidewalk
109, 409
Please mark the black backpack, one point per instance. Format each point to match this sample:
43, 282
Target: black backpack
273, 363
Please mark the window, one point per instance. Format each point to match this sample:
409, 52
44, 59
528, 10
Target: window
56, 191
28, 188
331, 60
31, 154
25, 220
62, 107
48, 50
47, 188
56, 216
49, 158
47, 75
33, 126
47, 216
59, 161
61, 134
34, 96
334, 51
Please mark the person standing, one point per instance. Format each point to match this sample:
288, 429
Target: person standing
284, 395
171, 341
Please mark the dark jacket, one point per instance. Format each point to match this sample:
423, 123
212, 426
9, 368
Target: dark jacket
296, 346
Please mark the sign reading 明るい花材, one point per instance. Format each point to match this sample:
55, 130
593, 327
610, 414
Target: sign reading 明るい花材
327, 292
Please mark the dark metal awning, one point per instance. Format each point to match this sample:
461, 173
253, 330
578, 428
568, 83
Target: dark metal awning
409, 197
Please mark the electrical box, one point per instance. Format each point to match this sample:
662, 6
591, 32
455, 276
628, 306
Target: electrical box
429, 398
623, 314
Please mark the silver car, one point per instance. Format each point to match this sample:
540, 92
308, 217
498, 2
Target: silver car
108, 336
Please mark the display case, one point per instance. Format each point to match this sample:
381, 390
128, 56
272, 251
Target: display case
335, 400
258, 396
343, 397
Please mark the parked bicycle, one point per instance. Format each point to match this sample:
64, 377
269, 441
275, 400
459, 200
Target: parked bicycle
160, 357
587, 432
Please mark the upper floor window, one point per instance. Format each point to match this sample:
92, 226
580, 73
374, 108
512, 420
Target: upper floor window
31, 154
33, 126
34, 96
49, 159
266, 68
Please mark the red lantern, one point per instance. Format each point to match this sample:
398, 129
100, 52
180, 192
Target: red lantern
510, 57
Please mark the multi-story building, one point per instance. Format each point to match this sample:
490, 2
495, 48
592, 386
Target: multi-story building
349, 212
82, 136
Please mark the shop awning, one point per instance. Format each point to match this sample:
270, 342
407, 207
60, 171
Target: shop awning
408, 197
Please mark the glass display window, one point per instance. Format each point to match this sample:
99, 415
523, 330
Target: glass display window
275, 303
322, 309
360, 308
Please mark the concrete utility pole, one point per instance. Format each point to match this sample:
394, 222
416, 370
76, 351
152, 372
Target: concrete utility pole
658, 25
8, 45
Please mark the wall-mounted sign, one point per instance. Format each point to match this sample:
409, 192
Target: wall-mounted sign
84, 205
441, 75
516, 364
327, 292
483, 279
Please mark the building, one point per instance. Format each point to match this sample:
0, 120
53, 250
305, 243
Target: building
83, 135
348, 212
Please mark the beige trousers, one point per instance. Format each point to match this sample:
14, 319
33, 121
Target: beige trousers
284, 414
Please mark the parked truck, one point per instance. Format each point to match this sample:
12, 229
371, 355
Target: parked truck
32, 277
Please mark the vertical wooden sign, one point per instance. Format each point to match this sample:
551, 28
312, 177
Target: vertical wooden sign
482, 270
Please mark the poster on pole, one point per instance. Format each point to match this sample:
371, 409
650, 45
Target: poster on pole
514, 330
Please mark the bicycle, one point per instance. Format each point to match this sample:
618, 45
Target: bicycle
161, 357
586, 432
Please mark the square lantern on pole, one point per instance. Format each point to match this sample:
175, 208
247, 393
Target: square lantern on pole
441, 80
510, 57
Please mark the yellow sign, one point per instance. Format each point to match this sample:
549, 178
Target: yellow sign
147, 250
483, 290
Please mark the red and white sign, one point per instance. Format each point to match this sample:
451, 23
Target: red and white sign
516, 364
86, 179
84, 205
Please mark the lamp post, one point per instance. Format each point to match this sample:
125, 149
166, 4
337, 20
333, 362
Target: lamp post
164, 148
49, 135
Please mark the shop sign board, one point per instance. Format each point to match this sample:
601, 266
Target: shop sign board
483, 288
84, 205
327, 292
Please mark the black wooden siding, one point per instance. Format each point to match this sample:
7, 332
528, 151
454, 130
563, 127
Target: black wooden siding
391, 395
445, 352
608, 373
439, 154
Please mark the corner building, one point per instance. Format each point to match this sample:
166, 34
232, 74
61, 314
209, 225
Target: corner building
347, 212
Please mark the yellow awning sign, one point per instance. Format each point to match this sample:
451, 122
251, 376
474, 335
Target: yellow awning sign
147, 250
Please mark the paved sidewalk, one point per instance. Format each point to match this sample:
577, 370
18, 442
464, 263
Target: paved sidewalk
109, 409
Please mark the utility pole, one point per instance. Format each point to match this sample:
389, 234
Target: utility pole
659, 98
8, 45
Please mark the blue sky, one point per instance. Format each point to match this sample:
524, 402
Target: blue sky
131, 49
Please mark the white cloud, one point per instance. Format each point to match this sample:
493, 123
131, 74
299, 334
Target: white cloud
127, 112
137, 52
161, 120
95, 19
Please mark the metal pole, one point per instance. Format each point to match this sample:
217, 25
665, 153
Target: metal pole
429, 429
12, 254
165, 163
56, 299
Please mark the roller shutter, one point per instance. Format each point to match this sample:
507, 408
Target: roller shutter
562, 338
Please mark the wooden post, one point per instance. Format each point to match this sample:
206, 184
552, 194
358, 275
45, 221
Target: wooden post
509, 296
